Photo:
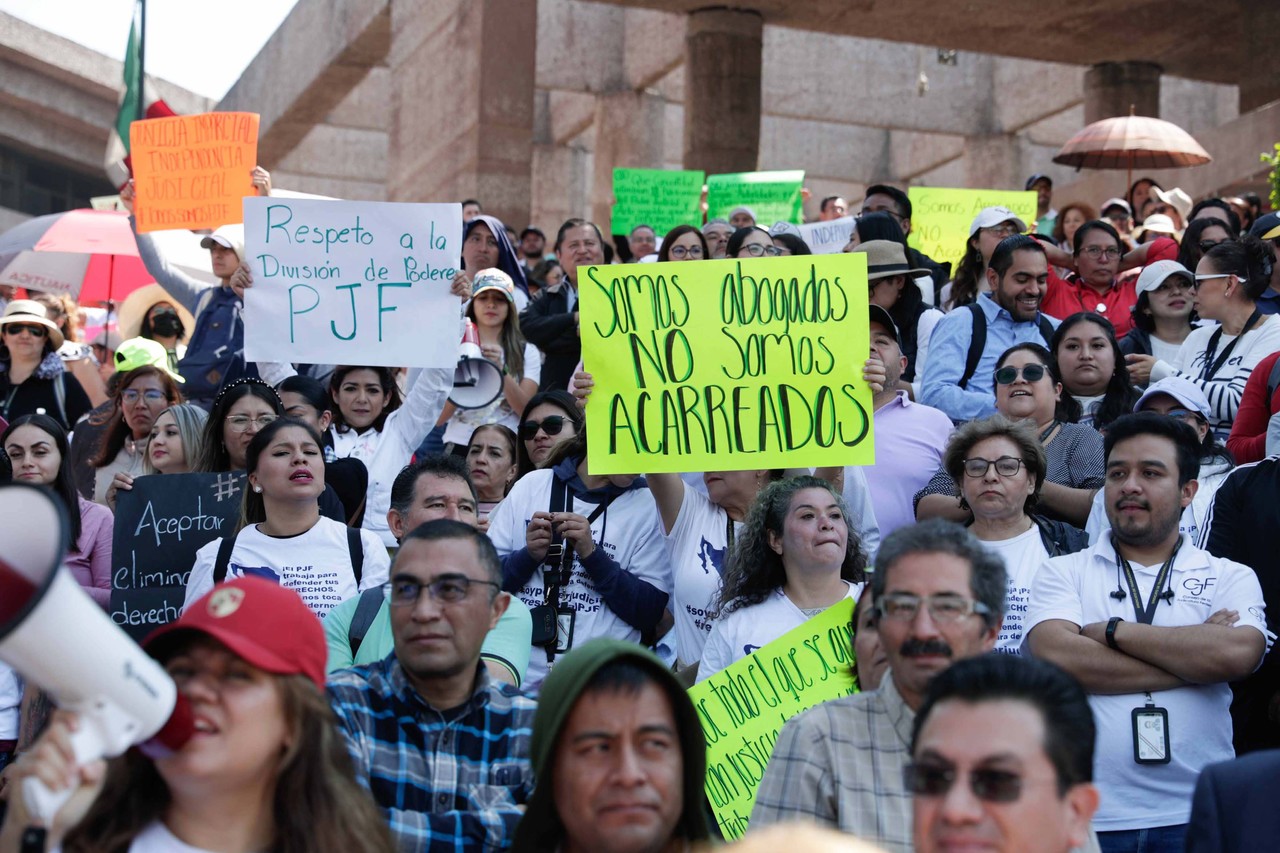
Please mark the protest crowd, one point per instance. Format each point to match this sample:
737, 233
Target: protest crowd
438, 626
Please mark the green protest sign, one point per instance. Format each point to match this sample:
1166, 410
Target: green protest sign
744, 706
772, 196
659, 198
727, 365
941, 217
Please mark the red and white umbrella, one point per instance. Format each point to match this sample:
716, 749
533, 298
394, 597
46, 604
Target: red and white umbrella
90, 255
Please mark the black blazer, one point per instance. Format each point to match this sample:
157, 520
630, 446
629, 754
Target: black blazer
1234, 807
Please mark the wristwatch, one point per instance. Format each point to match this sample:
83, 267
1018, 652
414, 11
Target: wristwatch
1111, 632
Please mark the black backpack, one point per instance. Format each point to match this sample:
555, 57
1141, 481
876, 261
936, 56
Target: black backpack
979, 341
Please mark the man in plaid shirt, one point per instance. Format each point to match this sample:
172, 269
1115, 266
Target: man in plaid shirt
443, 749
939, 597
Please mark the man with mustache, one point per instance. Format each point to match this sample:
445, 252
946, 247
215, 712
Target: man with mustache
939, 597
1154, 629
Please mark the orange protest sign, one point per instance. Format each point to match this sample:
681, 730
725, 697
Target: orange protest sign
192, 171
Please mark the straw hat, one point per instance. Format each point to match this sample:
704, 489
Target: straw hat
28, 311
137, 304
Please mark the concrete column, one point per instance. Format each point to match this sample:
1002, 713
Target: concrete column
991, 162
723, 50
1260, 65
1110, 88
629, 135
462, 105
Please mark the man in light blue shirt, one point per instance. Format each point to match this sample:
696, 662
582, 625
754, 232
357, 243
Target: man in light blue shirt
960, 378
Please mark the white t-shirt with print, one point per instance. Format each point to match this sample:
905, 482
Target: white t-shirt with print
156, 838
697, 544
315, 564
1077, 588
1023, 555
741, 632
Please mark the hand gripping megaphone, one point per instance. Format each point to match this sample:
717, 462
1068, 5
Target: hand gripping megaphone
57, 638
477, 382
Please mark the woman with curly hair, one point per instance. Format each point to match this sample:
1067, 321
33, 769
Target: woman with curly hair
795, 557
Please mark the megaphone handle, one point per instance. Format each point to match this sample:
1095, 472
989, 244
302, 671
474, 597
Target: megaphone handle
86, 743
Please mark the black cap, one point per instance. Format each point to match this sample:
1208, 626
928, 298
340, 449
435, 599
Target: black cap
531, 230
876, 314
1031, 181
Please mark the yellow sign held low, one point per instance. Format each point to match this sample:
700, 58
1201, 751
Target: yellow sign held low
727, 365
744, 706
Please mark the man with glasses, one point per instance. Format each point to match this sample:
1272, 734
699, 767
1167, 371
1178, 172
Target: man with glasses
359, 631
443, 749
1002, 759
882, 198
1154, 628
939, 597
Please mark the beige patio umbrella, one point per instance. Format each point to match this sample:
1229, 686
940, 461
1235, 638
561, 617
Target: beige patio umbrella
1129, 142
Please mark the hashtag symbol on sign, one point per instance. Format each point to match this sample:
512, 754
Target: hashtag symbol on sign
226, 486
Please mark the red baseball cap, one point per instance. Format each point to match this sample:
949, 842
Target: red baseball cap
266, 624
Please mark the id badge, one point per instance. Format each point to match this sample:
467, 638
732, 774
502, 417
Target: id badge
1151, 735
564, 629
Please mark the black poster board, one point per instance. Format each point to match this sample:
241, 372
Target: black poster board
160, 524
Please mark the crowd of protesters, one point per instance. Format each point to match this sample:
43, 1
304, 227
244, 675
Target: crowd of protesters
1062, 576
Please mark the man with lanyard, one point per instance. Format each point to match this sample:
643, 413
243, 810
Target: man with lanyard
1154, 628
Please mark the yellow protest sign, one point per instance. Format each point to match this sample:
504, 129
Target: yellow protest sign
192, 171
941, 217
727, 365
743, 707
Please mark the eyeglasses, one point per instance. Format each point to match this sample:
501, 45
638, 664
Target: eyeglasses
1200, 279
681, 252
943, 607
1096, 252
447, 589
551, 426
1004, 229
151, 395
240, 423
1006, 466
30, 328
1030, 372
988, 785
757, 250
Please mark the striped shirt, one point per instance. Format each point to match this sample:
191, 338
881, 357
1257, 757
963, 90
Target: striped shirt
450, 781
840, 764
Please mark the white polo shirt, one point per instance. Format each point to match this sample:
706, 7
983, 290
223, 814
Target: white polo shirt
1077, 588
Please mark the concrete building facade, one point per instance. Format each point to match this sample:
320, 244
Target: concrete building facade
530, 105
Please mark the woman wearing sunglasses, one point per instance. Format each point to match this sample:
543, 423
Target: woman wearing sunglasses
549, 418
1219, 359
141, 396
1028, 388
32, 376
1001, 468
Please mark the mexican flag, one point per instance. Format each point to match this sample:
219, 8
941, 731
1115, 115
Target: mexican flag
117, 164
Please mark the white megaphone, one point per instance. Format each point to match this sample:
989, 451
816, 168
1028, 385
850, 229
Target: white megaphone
477, 382
59, 639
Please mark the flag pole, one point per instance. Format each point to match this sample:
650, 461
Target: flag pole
142, 62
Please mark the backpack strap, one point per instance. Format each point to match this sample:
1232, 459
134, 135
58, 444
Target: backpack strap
362, 620
355, 548
1046, 331
220, 563
977, 343
60, 396
1273, 381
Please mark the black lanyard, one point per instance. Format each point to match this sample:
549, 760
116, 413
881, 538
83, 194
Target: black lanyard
1147, 613
1211, 366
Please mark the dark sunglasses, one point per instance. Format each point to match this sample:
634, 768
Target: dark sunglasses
31, 328
551, 426
1206, 245
1030, 372
992, 786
